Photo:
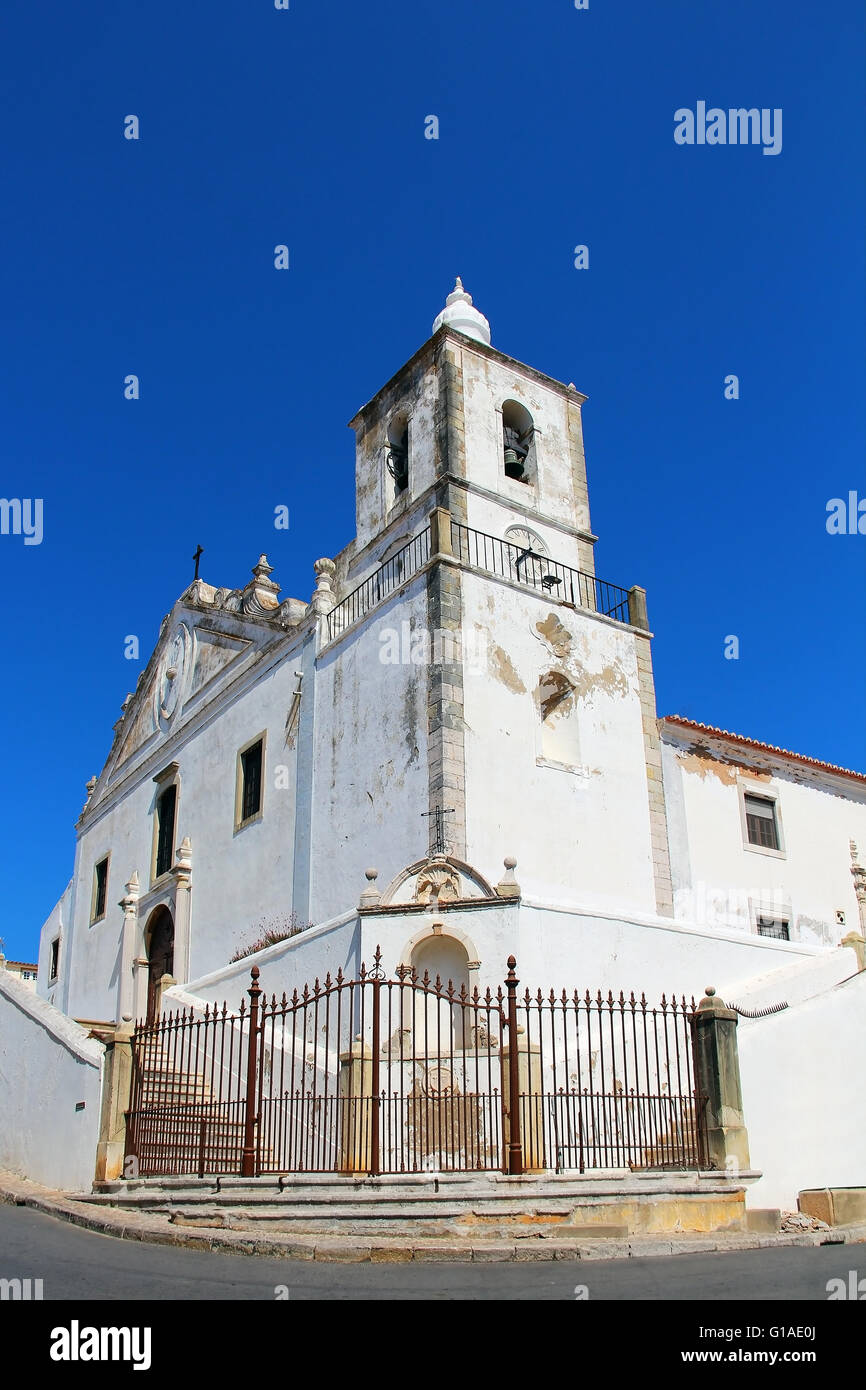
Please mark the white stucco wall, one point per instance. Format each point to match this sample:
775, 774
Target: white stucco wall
581, 836
555, 946
226, 861
48, 1068
720, 878
560, 947
370, 778
54, 927
804, 1095
792, 982
286, 966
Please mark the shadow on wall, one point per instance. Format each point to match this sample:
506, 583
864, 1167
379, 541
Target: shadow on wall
50, 1091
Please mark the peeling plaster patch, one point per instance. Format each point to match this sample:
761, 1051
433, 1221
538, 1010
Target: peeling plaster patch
811, 928
555, 695
610, 680
503, 670
700, 760
555, 635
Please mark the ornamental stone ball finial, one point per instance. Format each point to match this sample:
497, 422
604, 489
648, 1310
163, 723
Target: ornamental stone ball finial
370, 896
508, 887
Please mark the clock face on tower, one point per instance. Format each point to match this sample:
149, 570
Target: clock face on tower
523, 540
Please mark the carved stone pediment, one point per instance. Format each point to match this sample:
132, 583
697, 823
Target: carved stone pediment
437, 881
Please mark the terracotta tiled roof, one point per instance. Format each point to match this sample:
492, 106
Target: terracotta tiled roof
19, 965
763, 747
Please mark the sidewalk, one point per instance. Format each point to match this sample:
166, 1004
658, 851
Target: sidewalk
159, 1229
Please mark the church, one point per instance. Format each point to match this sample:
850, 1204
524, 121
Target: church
458, 724
443, 763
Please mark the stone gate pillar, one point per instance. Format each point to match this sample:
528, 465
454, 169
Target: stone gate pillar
116, 1084
356, 1107
717, 1077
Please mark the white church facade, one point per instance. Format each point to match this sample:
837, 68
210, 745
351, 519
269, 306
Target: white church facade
451, 751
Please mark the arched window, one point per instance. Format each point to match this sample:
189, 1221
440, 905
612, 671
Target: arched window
557, 706
518, 442
397, 453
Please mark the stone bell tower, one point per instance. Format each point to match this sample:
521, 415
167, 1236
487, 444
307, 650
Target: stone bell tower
465, 426
540, 736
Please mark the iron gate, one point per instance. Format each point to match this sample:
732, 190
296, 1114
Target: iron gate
373, 1075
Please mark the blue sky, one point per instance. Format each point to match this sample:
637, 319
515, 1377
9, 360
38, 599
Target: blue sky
306, 127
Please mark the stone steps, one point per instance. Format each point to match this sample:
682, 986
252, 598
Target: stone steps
491, 1206
423, 1225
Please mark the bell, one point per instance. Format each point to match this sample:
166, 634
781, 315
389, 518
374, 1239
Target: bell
513, 464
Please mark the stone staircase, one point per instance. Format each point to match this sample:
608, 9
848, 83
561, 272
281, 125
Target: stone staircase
181, 1128
485, 1206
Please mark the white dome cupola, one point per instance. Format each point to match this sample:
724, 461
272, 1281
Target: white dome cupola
460, 313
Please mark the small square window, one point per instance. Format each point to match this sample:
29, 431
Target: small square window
55, 958
774, 927
762, 826
251, 781
100, 889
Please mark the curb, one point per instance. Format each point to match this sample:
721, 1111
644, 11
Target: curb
364, 1250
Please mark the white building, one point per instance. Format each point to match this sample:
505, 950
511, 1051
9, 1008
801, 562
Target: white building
23, 970
460, 670
452, 753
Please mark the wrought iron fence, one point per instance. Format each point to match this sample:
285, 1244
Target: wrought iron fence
188, 1107
373, 1075
538, 572
388, 577
608, 1082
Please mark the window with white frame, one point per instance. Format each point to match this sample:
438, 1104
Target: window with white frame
762, 822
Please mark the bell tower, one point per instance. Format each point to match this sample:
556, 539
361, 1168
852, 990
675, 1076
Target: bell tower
465, 426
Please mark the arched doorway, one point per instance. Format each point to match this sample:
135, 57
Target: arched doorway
159, 946
438, 1024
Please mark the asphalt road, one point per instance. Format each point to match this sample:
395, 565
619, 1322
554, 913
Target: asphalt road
79, 1265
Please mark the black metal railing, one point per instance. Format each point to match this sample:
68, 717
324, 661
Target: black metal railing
388, 577
515, 562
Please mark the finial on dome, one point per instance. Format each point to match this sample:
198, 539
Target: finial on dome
460, 313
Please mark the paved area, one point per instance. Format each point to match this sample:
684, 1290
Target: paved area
473, 1247
77, 1264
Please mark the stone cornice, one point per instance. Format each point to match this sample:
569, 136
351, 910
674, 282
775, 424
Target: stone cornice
466, 344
